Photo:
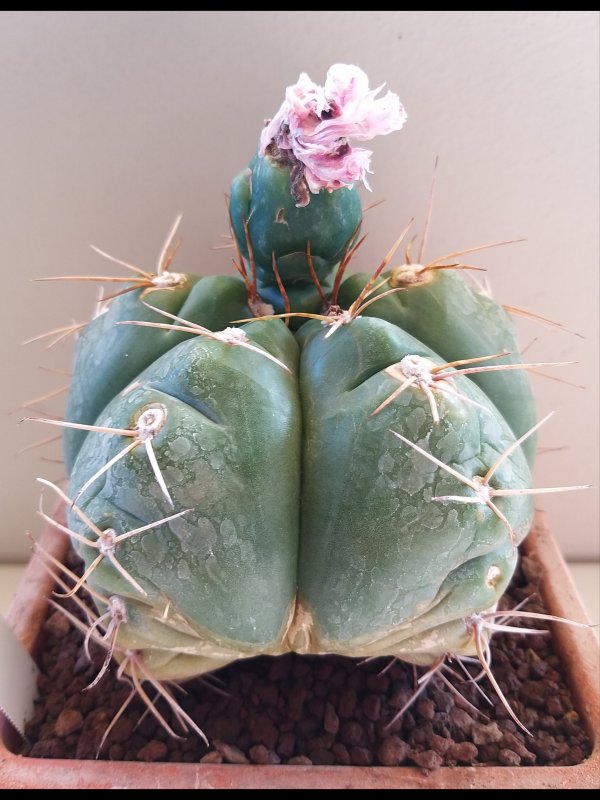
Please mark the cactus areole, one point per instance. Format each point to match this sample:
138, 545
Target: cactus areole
290, 459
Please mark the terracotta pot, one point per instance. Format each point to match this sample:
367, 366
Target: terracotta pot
579, 650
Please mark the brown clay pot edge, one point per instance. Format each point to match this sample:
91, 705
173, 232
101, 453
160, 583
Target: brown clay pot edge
579, 650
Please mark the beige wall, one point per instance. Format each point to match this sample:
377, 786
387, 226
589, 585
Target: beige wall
113, 122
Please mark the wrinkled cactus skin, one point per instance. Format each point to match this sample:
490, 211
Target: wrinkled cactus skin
457, 322
417, 566
309, 525
109, 356
229, 451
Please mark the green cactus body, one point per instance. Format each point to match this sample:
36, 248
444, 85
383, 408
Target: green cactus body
333, 489
458, 323
220, 580
260, 198
109, 356
383, 568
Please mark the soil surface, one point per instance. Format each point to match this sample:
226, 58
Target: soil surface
322, 709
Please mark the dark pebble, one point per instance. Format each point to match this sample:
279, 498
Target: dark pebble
392, 751
439, 743
296, 701
371, 706
486, 734
340, 751
554, 706
331, 721
545, 747
425, 708
230, 753
225, 728
48, 748
259, 754
324, 741
347, 704
461, 719
352, 734
508, 757
68, 721
513, 742
263, 730
301, 761
427, 759
57, 625
43, 684
462, 752
153, 751
147, 727
268, 693
534, 693
213, 757
116, 752
88, 744
444, 701
121, 730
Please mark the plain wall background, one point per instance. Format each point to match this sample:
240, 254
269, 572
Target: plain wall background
112, 122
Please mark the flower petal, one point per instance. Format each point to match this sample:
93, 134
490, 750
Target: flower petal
314, 125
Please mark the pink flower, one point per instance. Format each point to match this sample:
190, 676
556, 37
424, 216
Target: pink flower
312, 129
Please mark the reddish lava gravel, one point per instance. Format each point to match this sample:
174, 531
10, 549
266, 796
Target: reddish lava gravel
319, 709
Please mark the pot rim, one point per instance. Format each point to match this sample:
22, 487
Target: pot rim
579, 651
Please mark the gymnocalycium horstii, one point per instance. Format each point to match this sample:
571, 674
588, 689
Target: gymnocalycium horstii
294, 459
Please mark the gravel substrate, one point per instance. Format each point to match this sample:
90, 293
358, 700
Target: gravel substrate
319, 710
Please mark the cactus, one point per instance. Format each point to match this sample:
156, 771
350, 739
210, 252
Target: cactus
292, 459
